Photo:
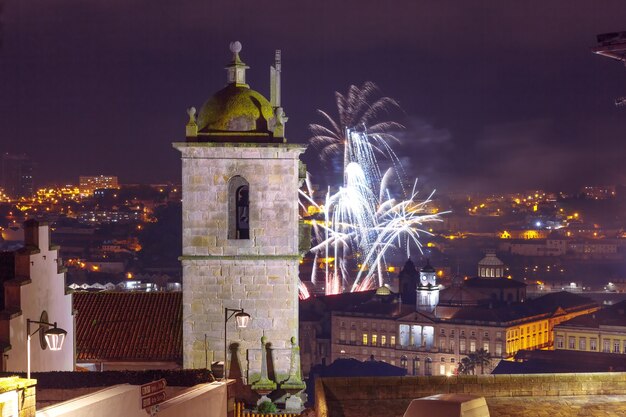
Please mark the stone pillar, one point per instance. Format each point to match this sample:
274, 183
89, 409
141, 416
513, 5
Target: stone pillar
18, 395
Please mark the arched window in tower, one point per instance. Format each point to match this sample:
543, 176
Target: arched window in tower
238, 208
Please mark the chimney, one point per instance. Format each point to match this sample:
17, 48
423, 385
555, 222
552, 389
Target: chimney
31, 233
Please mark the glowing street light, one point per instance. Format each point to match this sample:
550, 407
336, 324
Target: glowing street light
54, 338
242, 318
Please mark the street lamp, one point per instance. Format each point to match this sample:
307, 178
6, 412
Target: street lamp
242, 318
54, 338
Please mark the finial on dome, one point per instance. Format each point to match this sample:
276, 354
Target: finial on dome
235, 47
236, 70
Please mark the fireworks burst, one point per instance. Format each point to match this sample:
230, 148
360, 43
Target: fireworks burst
356, 112
363, 220
358, 224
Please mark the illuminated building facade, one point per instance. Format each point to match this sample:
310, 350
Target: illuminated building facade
600, 331
490, 313
425, 344
88, 184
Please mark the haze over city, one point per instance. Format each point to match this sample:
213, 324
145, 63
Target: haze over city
496, 96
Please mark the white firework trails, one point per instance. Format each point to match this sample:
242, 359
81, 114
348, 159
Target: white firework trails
357, 226
343, 137
362, 221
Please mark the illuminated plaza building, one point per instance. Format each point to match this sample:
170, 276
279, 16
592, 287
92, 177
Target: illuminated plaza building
430, 337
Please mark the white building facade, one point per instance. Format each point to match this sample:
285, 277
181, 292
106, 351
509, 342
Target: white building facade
37, 292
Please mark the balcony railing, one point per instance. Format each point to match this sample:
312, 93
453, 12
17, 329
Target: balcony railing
419, 348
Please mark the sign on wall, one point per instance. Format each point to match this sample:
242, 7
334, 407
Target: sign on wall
153, 393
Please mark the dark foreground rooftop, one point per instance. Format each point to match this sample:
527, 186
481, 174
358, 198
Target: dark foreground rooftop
538, 395
571, 406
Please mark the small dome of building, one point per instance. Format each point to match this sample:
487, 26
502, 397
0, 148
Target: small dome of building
236, 108
490, 266
490, 259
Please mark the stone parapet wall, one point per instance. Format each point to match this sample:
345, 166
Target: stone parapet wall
17, 395
360, 395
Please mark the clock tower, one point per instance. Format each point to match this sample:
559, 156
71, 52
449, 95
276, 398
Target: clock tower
427, 289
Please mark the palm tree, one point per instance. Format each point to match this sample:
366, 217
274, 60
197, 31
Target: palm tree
481, 358
359, 109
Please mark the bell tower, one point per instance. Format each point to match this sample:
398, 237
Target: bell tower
240, 181
427, 289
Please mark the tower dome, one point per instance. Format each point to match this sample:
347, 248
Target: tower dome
236, 108
237, 113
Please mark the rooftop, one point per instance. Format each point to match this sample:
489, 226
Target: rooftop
478, 282
128, 326
562, 361
367, 304
614, 315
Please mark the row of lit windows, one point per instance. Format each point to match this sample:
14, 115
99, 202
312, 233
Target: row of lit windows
608, 346
521, 331
364, 325
524, 337
472, 333
373, 340
472, 347
383, 340
367, 339
442, 331
368, 353
528, 342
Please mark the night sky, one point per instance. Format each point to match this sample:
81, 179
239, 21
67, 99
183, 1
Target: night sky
497, 95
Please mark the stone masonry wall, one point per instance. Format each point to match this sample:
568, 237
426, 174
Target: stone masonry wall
272, 173
259, 274
363, 395
267, 290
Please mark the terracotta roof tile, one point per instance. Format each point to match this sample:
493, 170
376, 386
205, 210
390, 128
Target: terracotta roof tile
128, 326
